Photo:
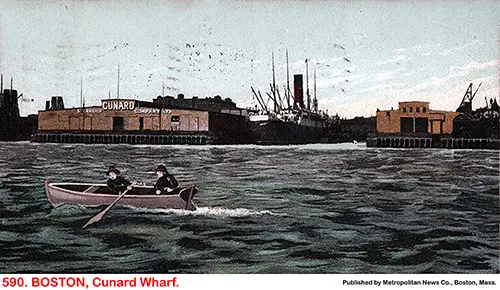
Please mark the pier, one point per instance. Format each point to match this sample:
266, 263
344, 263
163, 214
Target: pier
100, 138
419, 142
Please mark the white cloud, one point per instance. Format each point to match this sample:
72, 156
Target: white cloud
381, 87
474, 65
387, 75
447, 51
399, 50
398, 58
455, 72
335, 81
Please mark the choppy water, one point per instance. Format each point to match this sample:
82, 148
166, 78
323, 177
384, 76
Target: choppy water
297, 209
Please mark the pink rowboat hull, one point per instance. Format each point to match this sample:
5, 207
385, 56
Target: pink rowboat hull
64, 193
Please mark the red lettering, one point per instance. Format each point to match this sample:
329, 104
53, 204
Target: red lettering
58, 282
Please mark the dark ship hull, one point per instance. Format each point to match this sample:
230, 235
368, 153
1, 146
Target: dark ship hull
278, 132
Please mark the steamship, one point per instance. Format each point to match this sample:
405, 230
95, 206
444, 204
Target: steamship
292, 124
289, 127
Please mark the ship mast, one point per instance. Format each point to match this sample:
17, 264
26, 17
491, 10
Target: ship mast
307, 84
274, 87
287, 93
315, 101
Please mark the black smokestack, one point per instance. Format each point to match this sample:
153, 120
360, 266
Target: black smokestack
47, 106
53, 103
298, 91
60, 103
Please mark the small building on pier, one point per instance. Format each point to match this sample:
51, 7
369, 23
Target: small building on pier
415, 118
415, 125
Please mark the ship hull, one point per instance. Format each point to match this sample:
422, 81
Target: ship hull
277, 132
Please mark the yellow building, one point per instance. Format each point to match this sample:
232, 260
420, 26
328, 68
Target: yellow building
415, 117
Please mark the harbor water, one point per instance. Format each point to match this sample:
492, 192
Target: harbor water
336, 208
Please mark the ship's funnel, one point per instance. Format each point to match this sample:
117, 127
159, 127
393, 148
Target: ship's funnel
60, 103
10, 103
47, 106
53, 103
298, 91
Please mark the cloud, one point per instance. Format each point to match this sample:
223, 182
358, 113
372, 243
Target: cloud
315, 62
474, 65
399, 50
435, 81
381, 87
398, 58
455, 72
447, 52
388, 75
335, 81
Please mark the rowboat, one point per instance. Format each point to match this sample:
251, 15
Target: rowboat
99, 194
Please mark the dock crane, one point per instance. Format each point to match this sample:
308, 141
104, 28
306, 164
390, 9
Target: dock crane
466, 104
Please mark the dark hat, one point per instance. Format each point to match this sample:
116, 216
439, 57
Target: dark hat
161, 167
113, 169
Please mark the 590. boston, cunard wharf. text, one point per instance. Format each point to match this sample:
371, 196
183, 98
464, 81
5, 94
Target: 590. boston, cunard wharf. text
88, 282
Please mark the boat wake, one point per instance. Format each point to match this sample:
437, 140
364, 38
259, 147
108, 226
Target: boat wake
210, 211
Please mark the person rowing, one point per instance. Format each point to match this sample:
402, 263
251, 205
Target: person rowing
166, 182
117, 184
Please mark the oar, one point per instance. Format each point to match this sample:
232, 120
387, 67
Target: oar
190, 196
100, 215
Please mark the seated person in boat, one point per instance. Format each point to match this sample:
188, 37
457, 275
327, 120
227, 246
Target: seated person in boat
166, 182
116, 183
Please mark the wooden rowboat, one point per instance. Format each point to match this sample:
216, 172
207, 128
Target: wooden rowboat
99, 194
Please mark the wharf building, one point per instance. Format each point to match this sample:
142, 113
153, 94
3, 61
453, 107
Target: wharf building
165, 120
415, 125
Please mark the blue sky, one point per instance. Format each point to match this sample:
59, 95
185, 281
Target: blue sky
367, 54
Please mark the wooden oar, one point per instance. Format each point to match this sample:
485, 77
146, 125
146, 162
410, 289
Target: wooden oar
190, 196
100, 215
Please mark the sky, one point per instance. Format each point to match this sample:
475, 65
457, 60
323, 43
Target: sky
367, 55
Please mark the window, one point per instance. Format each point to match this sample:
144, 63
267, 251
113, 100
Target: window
141, 123
424, 109
175, 119
411, 109
388, 114
404, 110
418, 109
